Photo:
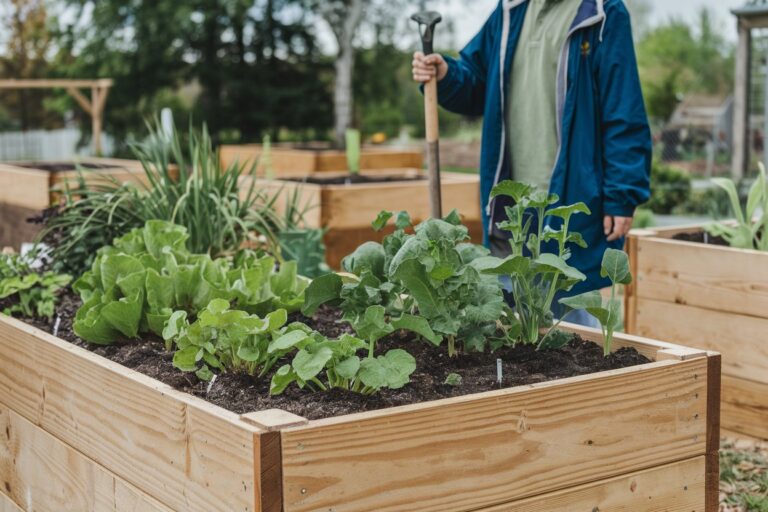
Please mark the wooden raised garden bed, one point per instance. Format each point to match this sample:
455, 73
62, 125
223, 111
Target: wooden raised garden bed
347, 210
82, 433
25, 189
299, 162
711, 296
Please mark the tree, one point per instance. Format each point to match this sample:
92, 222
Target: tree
343, 18
676, 59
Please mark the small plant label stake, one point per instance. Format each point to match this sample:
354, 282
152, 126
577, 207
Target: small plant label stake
499, 375
56, 325
210, 384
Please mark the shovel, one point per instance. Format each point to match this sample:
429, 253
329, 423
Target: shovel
427, 22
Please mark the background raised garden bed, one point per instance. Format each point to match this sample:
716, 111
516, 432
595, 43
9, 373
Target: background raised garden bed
83, 433
300, 162
348, 210
711, 296
25, 189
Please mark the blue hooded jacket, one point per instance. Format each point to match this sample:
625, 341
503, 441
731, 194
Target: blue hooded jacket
605, 149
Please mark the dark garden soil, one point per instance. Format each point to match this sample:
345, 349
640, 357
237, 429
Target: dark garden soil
242, 394
701, 237
62, 166
354, 179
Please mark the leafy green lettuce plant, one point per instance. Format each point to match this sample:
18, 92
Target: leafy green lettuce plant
748, 233
536, 276
136, 284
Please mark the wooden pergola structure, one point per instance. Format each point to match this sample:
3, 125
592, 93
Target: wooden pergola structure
753, 15
94, 105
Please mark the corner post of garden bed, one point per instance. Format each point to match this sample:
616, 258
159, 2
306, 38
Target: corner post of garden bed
712, 479
269, 455
630, 291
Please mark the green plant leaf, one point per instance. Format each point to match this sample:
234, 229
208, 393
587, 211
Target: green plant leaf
323, 289
309, 364
566, 212
287, 341
373, 324
381, 220
548, 262
186, 359
616, 266
204, 373
348, 368
419, 325
453, 380
512, 266
282, 379
392, 370
517, 191
733, 196
369, 256
556, 339
453, 218
403, 220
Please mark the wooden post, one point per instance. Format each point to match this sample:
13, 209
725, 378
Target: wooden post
94, 107
740, 158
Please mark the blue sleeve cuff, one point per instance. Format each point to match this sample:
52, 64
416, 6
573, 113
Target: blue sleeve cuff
616, 209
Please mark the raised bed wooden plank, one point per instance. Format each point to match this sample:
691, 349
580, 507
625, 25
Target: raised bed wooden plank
676, 487
8, 505
745, 406
501, 446
184, 452
27, 188
740, 339
296, 163
42, 474
716, 278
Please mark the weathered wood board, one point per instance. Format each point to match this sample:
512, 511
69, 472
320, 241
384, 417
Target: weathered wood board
40, 473
676, 487
507, 445
711, 297
293, 162
180, 450
25, 192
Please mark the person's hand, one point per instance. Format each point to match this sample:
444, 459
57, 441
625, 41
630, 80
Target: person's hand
426, 67
616, 227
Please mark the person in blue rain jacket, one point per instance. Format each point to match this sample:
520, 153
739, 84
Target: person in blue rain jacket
557, 84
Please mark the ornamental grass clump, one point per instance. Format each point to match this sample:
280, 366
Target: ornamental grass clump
185, 185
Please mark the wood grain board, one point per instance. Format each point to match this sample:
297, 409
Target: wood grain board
745, 406
31, 188
289, 162
465, 453
676, 487
187, 454
711, 297
42, 474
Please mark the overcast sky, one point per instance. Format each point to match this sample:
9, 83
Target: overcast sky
468, 15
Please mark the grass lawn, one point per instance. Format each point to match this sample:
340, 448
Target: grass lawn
743, 476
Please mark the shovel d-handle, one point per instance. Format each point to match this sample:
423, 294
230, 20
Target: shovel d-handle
427, 22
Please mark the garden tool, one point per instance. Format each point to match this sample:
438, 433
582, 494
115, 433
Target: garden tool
427, 22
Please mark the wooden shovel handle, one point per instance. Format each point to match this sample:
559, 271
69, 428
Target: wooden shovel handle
433, 148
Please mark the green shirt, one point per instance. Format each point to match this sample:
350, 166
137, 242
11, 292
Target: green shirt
532, 121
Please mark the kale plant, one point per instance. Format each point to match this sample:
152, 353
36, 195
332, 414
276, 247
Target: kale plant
536, 277
430, 282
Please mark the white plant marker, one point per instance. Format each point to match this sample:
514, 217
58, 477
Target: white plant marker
499, 375
56, 325
210, 384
